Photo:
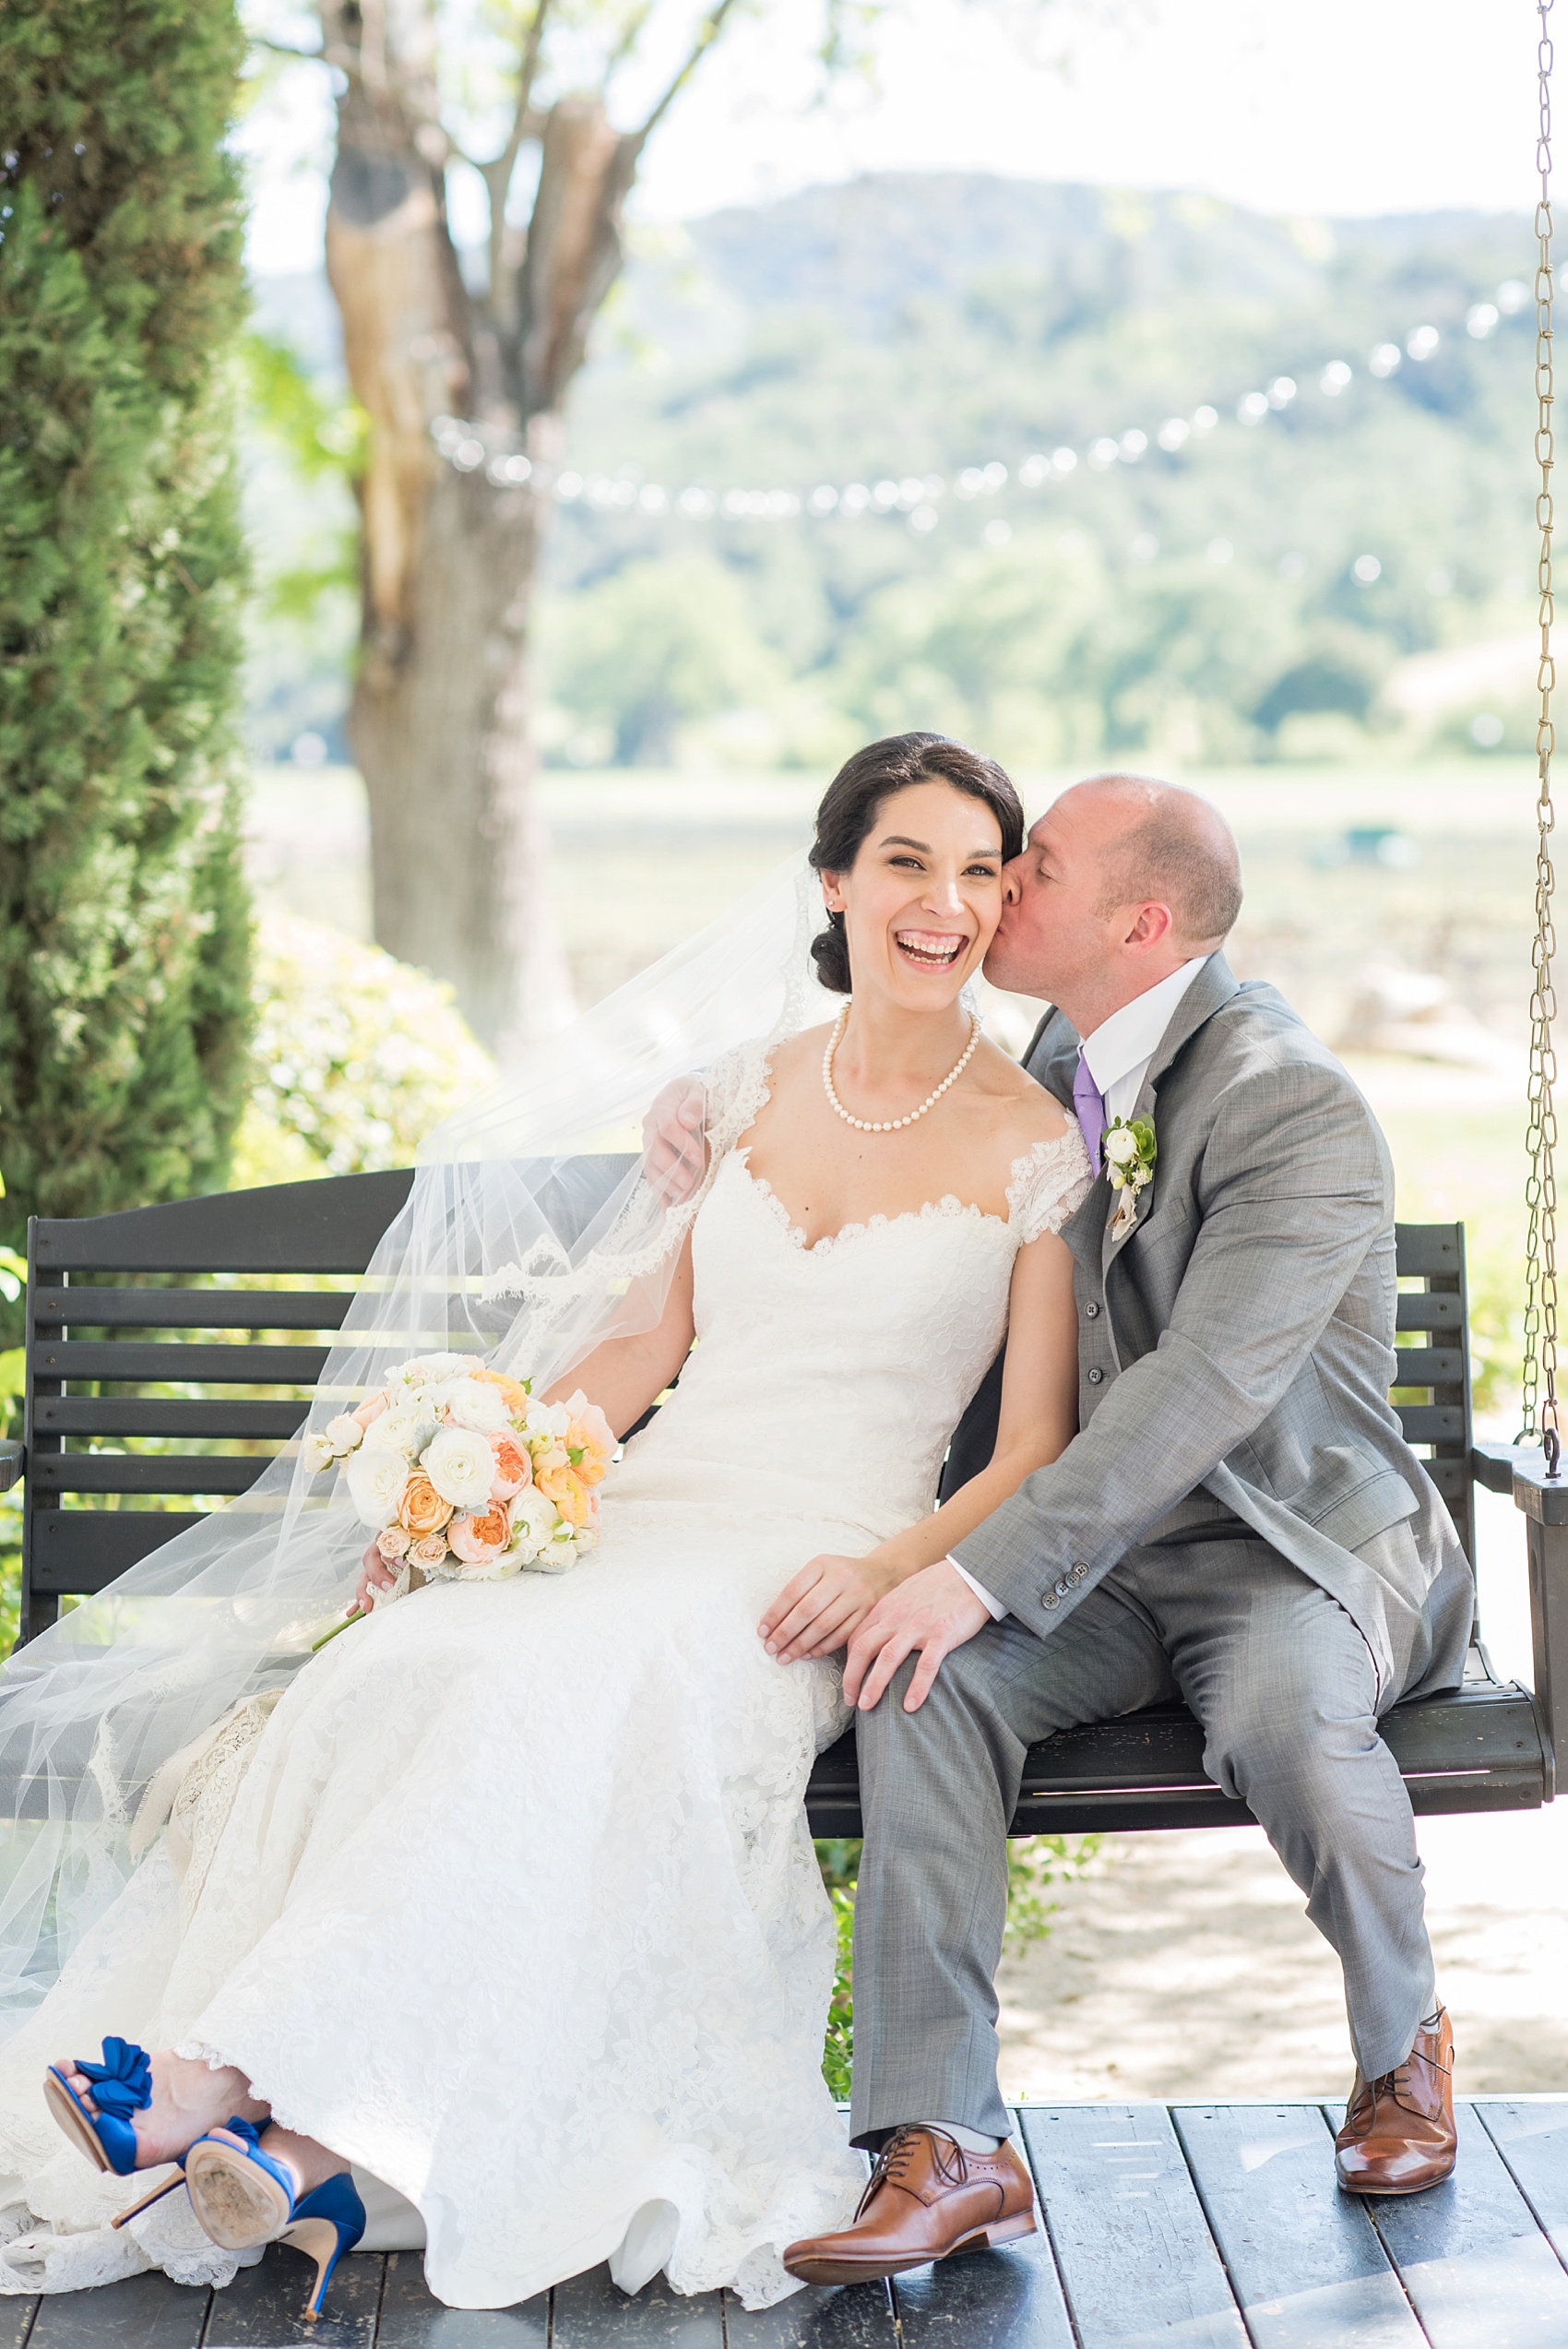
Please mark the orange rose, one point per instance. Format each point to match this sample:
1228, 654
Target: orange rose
570, 1494
421, 1509
515, 1395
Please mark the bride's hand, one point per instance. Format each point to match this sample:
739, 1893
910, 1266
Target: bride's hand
373, 1577
818, 1609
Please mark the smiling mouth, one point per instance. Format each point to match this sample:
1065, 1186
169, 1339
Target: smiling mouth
930, 949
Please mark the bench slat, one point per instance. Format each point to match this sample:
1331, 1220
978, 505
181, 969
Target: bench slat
1432, 1423
166, 1415
215, 1365
83, 1550
190, 1309
1418, 1367
1422, 1251
145, 1471
1431, 1310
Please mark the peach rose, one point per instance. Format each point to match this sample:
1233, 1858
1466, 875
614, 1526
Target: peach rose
393, 1543
514, 1394
513, 1468
429, 1550
477, 1538
371, 1408
570, 1494
422, 1509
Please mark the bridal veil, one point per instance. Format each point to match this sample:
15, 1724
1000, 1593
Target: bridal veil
523, 1240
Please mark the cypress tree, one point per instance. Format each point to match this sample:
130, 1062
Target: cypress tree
124, 931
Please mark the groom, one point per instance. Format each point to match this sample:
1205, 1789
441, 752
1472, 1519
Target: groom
1239, 1522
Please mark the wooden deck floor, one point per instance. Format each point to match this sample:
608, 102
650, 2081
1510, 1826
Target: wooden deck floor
1209, 2226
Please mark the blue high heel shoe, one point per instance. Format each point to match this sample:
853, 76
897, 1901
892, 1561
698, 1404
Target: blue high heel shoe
243, 2197
122, 2084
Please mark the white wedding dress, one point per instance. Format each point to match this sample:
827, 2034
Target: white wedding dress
517, 1906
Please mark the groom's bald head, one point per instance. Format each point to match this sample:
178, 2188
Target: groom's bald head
1161, 843
1120, 883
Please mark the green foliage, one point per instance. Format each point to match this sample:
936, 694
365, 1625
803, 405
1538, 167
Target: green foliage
321, 435
1034, 1864
356, 1058
123, 922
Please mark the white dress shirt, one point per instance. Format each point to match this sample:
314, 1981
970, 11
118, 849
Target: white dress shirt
1118, 1054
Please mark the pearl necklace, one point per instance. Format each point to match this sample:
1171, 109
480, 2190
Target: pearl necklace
891, 1124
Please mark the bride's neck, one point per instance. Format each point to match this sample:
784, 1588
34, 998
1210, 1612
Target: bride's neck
887, 1047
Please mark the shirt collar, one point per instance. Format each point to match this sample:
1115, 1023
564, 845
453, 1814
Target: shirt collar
1129, 1037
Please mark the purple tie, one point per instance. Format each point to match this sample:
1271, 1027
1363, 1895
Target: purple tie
1089, 1102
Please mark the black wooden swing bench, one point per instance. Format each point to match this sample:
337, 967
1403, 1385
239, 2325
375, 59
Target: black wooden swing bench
120, 1303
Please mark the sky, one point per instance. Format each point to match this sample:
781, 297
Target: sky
1338, 107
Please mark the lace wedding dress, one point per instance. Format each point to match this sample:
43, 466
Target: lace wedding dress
516, 1906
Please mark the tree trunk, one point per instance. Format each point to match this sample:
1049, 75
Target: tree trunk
459, 388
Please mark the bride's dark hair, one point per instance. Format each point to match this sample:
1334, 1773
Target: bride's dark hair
850, 802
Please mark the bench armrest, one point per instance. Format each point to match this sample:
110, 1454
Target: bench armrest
1493, 1465
1544, 1500
13, 1463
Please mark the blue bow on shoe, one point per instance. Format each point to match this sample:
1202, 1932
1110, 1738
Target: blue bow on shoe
122, 2083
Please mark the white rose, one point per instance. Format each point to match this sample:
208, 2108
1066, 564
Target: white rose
534, 1519
406, 1429
474, 1403
343, 1433
376, 1477
461, 1466
316, 1452
558, 1556
548, 1419
1121, 1145
429, 1370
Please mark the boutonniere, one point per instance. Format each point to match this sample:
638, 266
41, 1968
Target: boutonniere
1130, 1152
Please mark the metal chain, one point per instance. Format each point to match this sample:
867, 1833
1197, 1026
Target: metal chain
1540, 1143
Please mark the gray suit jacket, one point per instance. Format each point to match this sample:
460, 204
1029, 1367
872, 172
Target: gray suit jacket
1236, 1347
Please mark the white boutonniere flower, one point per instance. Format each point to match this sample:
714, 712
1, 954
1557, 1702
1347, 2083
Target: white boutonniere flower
1130, 1152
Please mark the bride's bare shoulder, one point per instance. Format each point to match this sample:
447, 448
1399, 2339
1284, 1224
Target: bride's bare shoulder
1021, 1105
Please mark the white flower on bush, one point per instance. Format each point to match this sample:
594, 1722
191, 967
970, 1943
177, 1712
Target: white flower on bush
460, 1464
474, 1403
376, 1477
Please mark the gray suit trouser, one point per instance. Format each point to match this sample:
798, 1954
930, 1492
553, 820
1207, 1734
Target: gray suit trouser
1286, 1691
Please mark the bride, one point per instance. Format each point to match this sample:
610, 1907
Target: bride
502, 1908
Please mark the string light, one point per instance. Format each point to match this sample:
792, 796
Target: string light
472, 448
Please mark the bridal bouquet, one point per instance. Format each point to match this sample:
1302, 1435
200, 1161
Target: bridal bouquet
463, 1477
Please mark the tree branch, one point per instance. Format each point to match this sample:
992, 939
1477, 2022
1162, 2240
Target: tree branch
703, 42
342, 58
497, 172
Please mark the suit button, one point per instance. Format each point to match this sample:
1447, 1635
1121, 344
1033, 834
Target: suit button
1076, 1573
1090, 1312
1049, 1599
1095, 1378
1063, 1585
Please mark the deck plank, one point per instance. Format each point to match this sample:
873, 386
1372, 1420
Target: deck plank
17, 2314
139, 2312
1533, 2141
591, 2312
1128, 2231
1480, 2272
263, 2308
1005, 2300
855, 2316
1304, 2260
412, 2318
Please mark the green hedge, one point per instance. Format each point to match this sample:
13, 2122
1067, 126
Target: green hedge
124, 932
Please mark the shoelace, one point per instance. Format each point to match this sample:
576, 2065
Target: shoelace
891, 2167
1395, 2082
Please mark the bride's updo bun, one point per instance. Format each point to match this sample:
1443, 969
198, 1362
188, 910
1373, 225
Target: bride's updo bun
850, 802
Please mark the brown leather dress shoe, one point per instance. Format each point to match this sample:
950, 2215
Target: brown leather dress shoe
927, 2199
1399, 2135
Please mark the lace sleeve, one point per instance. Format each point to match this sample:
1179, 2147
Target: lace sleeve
1048, 1182
736, 1084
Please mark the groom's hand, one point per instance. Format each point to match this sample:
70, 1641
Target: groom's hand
674, 1145
934, 1611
